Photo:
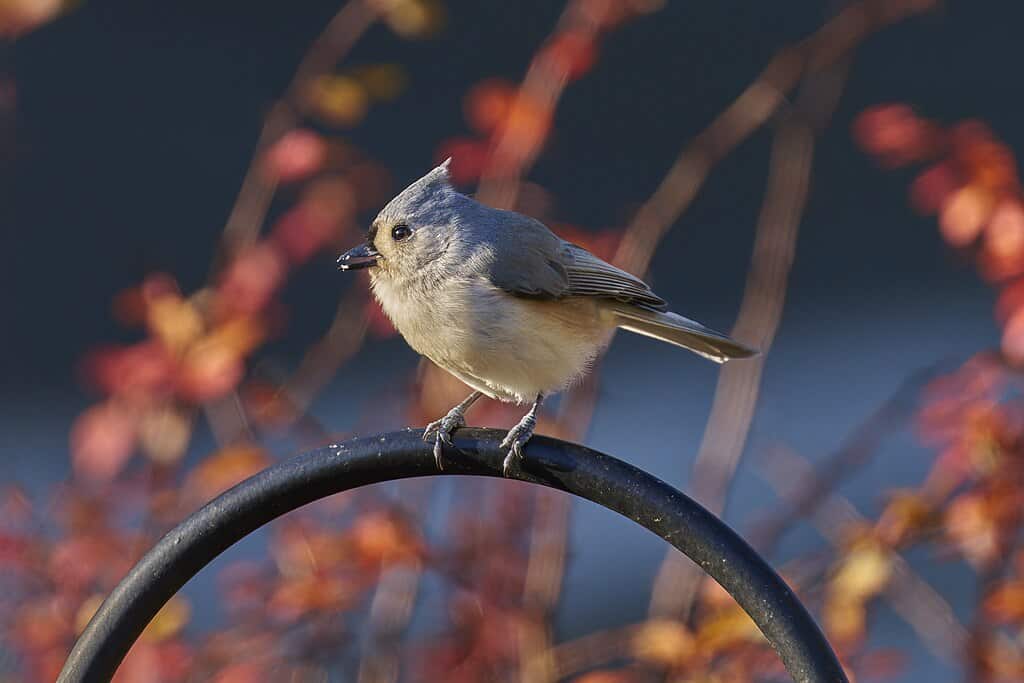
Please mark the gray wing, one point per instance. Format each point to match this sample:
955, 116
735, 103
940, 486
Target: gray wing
526, 259
590, 276
537, 263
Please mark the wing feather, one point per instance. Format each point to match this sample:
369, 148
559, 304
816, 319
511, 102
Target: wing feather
590, 276
524, 260
536, 263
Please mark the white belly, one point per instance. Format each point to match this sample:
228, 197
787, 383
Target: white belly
508, 347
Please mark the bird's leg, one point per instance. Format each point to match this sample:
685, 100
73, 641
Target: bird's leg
444, 427
518, 436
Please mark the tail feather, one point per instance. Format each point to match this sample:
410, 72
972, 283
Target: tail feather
675, 329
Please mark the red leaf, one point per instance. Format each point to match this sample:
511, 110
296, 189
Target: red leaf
138, 370
487, 104
930, 190
251, 280
102, 441
572, 53
298, 154
469, 159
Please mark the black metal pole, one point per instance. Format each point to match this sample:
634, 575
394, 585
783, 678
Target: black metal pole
190, 546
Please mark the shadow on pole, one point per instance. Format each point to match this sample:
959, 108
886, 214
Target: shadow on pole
600, 478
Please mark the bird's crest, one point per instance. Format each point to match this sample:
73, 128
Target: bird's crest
434, 188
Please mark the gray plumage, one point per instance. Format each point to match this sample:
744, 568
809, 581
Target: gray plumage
498, 300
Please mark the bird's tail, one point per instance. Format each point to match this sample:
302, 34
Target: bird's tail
675, 329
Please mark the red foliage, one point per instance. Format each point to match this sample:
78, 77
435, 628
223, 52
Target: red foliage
974, 186
297, 155
328, 566
102, 440
571, 52
974, 417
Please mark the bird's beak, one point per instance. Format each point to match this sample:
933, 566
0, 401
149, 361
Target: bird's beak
362, 256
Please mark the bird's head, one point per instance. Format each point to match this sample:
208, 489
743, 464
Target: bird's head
412, 231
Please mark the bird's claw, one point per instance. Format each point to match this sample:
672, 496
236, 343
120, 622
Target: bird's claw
513, 463
439, 452
442, 430
514, 442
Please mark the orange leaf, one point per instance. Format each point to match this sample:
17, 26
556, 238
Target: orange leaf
169, 621
963, 215
1006, 603
1004, 237
174, 321
86, 611
21, 16
863, 573
971, 526
413, 18
381, 538
527, 123
845, 620
731, 626
487, 104
226, 468
664, 642
209, 370
572, 53
339, 100
382, 81
241, 334
313, 593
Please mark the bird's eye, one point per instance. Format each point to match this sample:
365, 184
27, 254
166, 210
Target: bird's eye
400, 232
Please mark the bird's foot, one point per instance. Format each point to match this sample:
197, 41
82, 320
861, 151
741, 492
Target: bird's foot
514, 442
442, 430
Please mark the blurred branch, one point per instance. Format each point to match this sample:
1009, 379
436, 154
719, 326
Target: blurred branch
545, 570
340, 342
519, 143
593, 650
548, 548
539, 94
760, 314
257, 191
390, 612
983, 637
910, 596
738, 386
540, 91
855, 452
243, 225
755, 105
227, 419
394, 600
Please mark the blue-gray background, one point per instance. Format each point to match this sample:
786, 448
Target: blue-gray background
136, 120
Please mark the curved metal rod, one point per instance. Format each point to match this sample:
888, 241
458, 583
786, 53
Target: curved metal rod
189, 547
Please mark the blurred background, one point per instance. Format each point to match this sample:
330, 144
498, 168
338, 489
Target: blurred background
834, 182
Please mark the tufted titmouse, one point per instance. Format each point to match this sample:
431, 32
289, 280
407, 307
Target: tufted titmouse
505, 305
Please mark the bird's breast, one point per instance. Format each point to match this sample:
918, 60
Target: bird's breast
507, 346
433, 321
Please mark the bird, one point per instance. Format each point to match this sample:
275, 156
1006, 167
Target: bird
501, 302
